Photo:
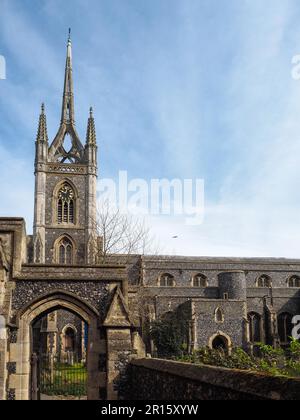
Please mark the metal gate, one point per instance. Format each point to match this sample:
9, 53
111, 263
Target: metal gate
58, 376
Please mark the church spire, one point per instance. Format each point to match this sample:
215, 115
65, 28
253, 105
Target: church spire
67, 114
42, 134
58, 151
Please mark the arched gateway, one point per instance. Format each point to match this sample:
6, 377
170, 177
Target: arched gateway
45, 305
100, 302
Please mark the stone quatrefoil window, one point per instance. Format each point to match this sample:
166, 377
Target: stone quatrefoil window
66, 205
264, 282
65, 252
200, 280
294, 282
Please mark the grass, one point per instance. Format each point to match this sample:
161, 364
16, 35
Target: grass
66, 380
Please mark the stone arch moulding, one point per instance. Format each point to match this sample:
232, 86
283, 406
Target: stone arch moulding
61, 183
69, 326
223, 335
43, 304
55, 198
68, 300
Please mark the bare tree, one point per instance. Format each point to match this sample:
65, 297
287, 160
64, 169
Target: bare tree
120, 234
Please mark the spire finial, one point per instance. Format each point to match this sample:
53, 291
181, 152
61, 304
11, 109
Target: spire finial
42, 134
91, 132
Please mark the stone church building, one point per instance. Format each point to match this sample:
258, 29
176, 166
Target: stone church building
55, 296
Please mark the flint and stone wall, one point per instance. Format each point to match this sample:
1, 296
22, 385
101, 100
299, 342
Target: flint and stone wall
155, 379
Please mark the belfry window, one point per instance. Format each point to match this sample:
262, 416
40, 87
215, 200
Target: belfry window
65, 205
65, 252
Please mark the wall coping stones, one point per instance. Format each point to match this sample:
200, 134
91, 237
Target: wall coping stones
252, 383
81, 273
218, 260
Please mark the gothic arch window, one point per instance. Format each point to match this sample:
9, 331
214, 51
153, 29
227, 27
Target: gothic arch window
254, 321
166, 280
285, 327
66, 205
199, 280
219, 316
294, 281
264, 281
65, 251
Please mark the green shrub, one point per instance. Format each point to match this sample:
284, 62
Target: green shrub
275, 362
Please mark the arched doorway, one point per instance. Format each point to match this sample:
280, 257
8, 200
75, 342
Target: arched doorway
34, 313
220, 341
69, 340
59, 352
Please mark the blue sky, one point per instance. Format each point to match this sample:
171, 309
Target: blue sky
180, 88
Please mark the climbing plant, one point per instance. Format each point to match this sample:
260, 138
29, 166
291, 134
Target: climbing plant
170, 333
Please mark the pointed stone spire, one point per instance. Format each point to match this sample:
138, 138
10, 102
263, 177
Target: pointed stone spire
42, 134
67, 114
91, 131
57, 152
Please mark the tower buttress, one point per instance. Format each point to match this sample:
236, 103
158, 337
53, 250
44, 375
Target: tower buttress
91, 159
41, 155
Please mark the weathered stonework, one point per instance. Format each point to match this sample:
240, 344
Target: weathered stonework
162, 380
94, 293
11, 394
11, 368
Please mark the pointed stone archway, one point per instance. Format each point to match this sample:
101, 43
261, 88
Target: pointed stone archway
23, 347
220, 340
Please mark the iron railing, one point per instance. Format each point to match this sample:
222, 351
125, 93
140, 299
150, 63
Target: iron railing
59, 375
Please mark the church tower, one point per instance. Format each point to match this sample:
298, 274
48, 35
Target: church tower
65, 187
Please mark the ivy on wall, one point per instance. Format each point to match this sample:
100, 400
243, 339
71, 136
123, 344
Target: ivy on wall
170, 332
